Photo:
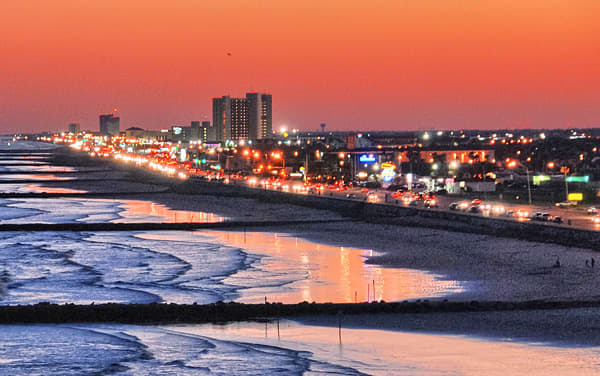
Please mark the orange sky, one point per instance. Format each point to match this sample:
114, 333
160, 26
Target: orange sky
353, 64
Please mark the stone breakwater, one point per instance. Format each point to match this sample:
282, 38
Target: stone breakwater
223, 312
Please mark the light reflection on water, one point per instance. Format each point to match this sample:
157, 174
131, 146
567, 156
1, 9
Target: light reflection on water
140, 210
34, 177
41, 189
383, 352
326, 273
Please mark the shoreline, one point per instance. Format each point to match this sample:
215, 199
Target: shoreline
493, 268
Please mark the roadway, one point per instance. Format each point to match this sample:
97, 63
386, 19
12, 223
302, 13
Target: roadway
574, 217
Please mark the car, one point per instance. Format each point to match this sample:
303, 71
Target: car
592, 210
546, 217
398, 194
596, 220
557, 219
453, 206
463, 205
566, 204
498, 210
476, 202
430, 203
350, 195
537, 216
522, 214
414, 203
372, 197
509, 213
475, 209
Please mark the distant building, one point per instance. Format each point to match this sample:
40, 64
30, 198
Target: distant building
222, 118
109, 125
74, 128
247, 118
207, 132
136, 132
260, 116
195, 131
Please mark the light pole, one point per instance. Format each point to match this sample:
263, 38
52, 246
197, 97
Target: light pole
528, 184
566, 184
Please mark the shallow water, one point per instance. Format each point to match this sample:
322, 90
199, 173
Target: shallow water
284, 348
145, 350
384, 352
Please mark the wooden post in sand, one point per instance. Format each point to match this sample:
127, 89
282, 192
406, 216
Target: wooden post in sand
340, 326
368, 292
374, 290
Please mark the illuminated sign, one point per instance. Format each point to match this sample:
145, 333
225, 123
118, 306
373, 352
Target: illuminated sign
388, 175
388, 172
177, 130
367, 158
578, 179
575, 197
538, 179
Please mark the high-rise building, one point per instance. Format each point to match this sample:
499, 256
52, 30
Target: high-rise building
207, 132
239, 119
109, 125
247, 118
260, 116
74, 128
222, 118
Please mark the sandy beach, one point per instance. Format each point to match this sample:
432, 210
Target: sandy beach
487, 267
491, 268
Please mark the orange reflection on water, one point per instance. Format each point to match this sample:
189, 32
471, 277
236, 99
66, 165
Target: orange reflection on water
331, 273
42, 189
143, 209
387, 352
33, 177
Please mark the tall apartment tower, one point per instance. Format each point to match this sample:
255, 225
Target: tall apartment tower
222, 118
230, 118
110, 125
247, 118
260, 116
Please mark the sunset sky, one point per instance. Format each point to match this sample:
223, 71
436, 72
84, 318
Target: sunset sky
389, 65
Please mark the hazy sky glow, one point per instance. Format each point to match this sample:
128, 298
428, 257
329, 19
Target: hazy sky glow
354, 64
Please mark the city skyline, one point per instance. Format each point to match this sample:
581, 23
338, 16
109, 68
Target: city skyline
353, 65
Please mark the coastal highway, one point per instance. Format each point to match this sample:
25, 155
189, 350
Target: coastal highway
576, 217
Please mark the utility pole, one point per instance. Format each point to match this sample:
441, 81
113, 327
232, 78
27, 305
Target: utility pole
566, 185
528, 185
306, 164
